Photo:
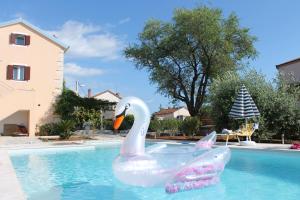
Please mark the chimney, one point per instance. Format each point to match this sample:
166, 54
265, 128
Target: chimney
89, 93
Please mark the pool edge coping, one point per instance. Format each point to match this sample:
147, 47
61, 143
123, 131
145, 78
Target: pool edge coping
15, 191
10, 187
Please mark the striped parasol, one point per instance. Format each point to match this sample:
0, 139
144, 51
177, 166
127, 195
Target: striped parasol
244, 106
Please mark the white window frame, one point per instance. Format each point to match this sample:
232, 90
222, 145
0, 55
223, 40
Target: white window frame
19, 68
24, 39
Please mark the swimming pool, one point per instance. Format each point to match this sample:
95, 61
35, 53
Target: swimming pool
87, 174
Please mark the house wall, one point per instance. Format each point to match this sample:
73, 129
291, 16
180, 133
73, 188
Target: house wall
291, 70
182, 112
37, 95
166, 116
20, 116
107, 96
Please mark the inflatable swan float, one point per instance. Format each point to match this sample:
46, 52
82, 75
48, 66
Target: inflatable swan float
177, 167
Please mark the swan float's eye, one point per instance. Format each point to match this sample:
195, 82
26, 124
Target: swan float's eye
127, 106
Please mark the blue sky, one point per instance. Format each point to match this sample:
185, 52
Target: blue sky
97, 31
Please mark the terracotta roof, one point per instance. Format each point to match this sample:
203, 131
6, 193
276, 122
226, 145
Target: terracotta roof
115, 94
166, 111
288, 62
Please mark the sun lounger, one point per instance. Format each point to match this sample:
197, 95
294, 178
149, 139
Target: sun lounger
242, 132
227, 134
248, 131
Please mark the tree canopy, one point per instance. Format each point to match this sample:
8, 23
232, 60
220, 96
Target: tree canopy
278, 102
182, 56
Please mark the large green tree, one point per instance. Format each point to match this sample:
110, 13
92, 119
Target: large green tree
182, 56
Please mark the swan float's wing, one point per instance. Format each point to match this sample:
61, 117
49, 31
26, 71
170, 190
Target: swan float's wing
203, 171
155, 148
207, 142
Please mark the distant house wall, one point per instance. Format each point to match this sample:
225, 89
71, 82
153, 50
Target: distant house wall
165, 116
110, 97
291, 72
181, 113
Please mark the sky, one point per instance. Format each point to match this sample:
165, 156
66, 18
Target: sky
98, 31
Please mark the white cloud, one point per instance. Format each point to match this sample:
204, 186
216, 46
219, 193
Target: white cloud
88, 41
125, 20
75, 70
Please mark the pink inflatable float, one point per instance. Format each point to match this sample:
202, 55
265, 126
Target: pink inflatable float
175, 167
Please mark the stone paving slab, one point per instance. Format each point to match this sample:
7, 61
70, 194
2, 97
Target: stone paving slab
10, 188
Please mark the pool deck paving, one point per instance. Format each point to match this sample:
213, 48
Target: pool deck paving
10, 188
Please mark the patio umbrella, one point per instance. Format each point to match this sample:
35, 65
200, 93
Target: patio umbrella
244, 106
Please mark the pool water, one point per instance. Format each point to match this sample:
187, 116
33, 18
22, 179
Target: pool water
87, 175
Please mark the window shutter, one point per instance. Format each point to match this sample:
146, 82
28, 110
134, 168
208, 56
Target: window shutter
12, 39
27, 74
9, 73
27, 40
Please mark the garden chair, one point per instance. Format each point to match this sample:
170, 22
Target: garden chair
247, 131
227, 134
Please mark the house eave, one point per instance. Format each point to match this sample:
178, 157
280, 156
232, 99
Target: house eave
36, 29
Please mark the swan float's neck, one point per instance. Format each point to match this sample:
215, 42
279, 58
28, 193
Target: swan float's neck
134, 143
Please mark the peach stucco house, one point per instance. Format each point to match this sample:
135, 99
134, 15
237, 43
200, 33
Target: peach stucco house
31, 65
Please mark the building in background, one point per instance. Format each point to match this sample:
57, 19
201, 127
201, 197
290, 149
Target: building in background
290, 71
172, 113
31, 66
109, 96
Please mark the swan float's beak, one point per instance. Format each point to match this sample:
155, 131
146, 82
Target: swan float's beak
120, 117
118, 121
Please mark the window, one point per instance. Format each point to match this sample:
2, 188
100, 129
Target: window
18, 73
19, 39
180, 117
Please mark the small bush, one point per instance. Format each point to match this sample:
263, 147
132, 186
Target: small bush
48, 129
155, 125
65, 128
190, 125
127, 122
170, 125
108, 124
82, 115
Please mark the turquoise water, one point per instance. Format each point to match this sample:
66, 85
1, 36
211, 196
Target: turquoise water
87, 175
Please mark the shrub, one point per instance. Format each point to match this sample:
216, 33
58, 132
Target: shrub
127, 122
190, 125
159, 126
48, 129
155, 125
82, 115
108, 124
65, 128
68, 101
171, 125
